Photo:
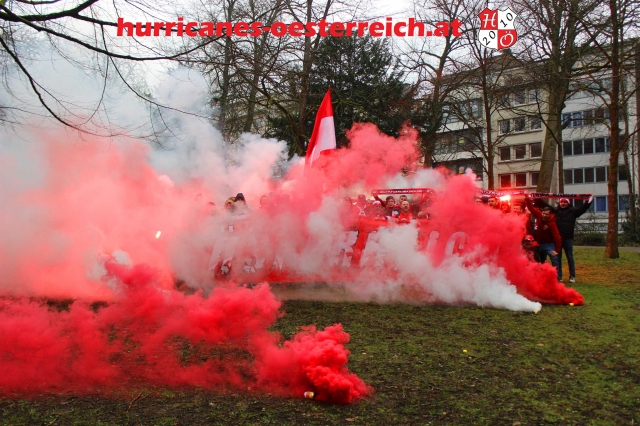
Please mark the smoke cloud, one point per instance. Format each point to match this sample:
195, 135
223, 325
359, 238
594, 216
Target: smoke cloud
158, 337
116, 225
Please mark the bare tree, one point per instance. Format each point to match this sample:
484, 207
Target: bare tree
609, 72
432, 60
267, 75
90, 27
483, 94
554, 40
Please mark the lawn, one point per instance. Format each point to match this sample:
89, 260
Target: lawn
430, 365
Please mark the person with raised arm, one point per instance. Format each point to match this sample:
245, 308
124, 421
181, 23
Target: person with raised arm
547, 235
566, 216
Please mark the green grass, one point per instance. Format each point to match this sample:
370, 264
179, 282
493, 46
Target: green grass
565, 366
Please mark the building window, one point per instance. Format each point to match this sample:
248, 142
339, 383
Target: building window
535, 123
579, 94
448, 116
521, 179
534, 178
578, 119
504, 126
585, 175
505, 181
622, 172
519, 124
568, 177
476, 109
460, 166
589, 175
577, 147
503, 101
583, 118
505, 154
601, 204
535, 150
623, 202
520, 151
588, 117
534, 95
601, 115
578, 176
520, 97
602, 144
588, 146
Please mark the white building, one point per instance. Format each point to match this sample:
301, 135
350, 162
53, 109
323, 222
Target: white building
518, 138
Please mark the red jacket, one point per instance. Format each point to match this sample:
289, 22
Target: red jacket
547, 231
404, 218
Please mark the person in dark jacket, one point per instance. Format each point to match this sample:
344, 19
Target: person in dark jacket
566, 216
547, 235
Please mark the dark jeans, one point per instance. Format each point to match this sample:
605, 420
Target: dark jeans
567, 247
546, 249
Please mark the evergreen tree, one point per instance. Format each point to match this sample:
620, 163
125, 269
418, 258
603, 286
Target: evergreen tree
366, 86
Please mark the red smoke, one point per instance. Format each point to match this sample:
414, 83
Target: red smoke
152, 336
496, 237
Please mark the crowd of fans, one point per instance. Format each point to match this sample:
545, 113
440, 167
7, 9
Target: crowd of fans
549, 230
402, 211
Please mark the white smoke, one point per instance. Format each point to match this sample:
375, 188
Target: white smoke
418, 281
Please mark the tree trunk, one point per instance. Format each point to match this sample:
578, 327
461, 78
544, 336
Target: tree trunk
552, 137
307, 61
257, 66
611, 250
636, 136
427, 147
560, 169
632, 194
301, 130
490, 153
224, 89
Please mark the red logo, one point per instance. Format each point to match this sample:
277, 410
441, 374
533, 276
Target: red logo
497, 29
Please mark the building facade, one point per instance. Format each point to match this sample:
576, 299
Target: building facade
517, 112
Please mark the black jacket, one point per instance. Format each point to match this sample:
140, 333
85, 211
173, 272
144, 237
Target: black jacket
566, 218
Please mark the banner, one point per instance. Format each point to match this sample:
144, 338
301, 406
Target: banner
500, 193
552, 195
490, 193
403, 191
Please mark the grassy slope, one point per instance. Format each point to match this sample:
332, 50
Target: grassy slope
566, 365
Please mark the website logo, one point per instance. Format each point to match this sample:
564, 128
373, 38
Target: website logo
497, 29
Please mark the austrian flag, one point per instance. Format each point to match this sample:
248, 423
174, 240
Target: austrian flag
323, 138
497, 29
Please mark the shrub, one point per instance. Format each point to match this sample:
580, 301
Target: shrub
630, 234
590, 239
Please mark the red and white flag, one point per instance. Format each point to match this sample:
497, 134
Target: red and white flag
323, 138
